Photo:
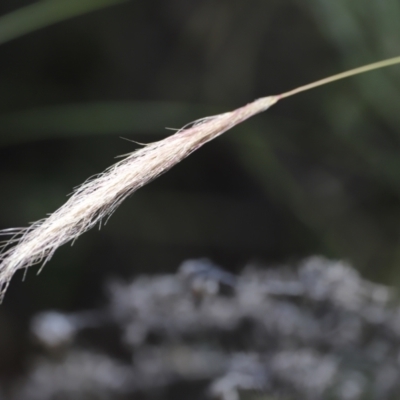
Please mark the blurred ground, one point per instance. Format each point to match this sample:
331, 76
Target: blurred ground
316, 174
315, 332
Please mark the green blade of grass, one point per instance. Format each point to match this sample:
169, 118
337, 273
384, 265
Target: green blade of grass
45, 13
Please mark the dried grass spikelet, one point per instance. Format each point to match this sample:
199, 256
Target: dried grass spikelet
100, 196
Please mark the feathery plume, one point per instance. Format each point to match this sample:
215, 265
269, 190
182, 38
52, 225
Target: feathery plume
98, 197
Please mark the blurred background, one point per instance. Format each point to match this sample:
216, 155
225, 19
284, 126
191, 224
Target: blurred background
318, 173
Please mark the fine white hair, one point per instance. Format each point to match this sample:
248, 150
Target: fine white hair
98, 197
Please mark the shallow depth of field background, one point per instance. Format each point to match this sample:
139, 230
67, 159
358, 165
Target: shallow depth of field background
319, 173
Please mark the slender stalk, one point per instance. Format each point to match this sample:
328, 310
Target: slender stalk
343, 75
